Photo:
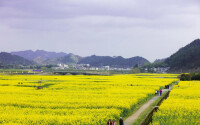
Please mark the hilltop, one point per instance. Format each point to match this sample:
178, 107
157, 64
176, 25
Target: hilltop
186, 58
38, 56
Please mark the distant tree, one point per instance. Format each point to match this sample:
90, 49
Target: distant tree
136, 66
135, 70
195, 76
185, 77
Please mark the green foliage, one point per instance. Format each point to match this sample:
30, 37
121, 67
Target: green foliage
190, 76
156, 65
195, 76
135, 70
185, 77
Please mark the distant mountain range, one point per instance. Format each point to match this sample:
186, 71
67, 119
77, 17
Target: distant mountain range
45, 57
185, 59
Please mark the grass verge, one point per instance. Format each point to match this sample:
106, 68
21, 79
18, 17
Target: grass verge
144, 114
136, 107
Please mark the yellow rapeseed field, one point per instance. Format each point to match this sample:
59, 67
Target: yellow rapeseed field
74, 100
182, 107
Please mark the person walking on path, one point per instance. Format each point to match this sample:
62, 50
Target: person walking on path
160, 92
121, 122
156, 92
109, 122
113, 122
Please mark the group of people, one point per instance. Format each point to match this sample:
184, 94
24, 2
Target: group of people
158, 92
20, 82
113, 122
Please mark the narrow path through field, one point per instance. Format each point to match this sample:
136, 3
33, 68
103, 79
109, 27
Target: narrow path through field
131, 119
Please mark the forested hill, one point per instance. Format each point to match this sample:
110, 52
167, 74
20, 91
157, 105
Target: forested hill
186, 58
113, 61
8, 59
68, 59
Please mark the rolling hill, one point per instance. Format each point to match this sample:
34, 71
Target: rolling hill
68, 59
186, 58
7, 58
113, 61
39, 55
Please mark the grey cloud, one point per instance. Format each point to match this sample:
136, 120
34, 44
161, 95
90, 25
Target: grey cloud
76, 25
60, 9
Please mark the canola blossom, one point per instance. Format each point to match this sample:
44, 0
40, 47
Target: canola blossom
182, 107
70, 100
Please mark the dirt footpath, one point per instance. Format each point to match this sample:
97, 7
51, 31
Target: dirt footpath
131, 119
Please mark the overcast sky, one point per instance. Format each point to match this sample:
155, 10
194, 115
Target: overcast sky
148, 28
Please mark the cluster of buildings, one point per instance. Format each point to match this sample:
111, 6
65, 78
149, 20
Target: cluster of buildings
86, 67
89, 67
157, 69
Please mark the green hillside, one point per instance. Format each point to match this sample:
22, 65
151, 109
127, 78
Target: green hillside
8, 59
186, 58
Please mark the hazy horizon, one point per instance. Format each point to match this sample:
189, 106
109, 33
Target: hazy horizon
152, 29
